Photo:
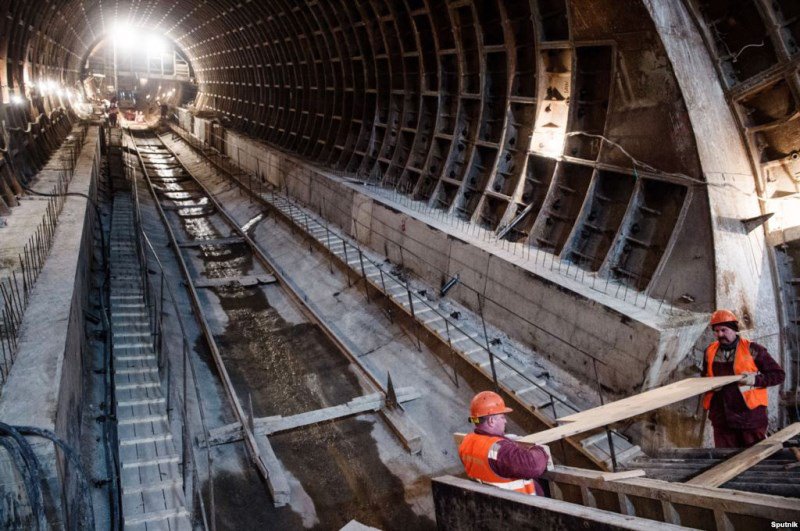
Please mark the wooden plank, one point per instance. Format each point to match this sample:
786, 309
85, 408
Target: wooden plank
215, 241
276, 478
248, 280
626, 474
403, 428
628, 407
622, 409
269, 425
734, 466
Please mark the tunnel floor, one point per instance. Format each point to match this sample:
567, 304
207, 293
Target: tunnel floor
286, 367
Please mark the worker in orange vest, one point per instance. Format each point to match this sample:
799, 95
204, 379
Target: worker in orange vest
738, 411
492, 457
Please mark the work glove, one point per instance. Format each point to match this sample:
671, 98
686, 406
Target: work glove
749, 379
550, 464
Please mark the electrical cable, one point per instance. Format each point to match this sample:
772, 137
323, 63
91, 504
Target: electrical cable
86, 512
682, 176
32, 477
21, 465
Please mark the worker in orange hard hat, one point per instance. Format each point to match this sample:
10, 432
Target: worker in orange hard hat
492, 457
738, 411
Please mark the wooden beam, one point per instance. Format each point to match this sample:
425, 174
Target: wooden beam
629, 407
269, 425
277, 483
625, 474
623, 409
216, 241
726, 471
248, 280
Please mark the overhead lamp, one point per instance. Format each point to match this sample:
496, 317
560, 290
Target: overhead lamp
123, 35
156, 45
16, 99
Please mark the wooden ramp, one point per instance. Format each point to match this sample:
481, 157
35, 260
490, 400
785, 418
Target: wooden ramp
150, 475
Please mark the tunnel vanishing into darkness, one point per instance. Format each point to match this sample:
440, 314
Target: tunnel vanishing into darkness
642, 156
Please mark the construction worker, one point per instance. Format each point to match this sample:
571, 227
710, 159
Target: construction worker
738, 411
492, 457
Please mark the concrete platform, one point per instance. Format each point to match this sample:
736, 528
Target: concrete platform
44, 384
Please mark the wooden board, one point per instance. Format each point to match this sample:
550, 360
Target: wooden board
275, 424
628, 407
623, 409
251, 280
217, 241
726, 471
626, 474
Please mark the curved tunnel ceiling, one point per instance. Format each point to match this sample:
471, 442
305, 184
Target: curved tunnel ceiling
334, 78
480, 107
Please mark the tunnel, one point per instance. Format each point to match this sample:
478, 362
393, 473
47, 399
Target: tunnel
569, 188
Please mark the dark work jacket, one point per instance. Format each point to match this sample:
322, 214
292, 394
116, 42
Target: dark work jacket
518, 461
728, 409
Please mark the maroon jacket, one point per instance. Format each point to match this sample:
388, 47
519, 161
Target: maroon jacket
728, 409
518, 461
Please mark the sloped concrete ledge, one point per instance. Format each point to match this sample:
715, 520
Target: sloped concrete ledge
44, 384
637, 348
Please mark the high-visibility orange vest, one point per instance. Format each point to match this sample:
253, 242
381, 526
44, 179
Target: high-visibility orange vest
475, 452
742, 362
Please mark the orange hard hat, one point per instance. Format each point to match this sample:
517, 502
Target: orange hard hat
723, 316
487, 403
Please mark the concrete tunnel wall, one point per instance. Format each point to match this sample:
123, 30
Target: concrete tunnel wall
494, 110
635, 347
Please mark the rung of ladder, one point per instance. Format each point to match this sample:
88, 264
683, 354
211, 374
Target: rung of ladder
142, 420
152, 462
135, 358
144, 385
160, 485
132, 345
143, 370
146, 440
141, 402
178, 512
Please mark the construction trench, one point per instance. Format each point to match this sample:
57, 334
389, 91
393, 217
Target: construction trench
257, 258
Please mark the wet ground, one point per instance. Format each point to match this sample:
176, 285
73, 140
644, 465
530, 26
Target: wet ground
285, 367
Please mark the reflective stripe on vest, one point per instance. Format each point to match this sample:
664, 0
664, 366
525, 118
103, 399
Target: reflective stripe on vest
742, 362
475, 451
